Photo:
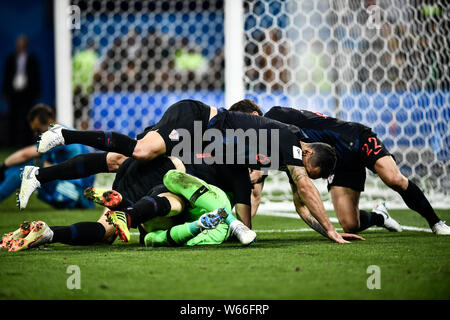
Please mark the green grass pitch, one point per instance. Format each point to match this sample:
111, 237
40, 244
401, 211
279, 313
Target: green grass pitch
280, 265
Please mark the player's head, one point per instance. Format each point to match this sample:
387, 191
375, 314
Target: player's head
40, 117
319, 159
21, 43
247, 106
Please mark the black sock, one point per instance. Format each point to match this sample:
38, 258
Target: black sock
368, 219
79, 234
80, 166
147, 208
102, 140
416, 200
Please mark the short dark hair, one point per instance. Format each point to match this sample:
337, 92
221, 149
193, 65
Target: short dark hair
41, 111
324, 157
246, 106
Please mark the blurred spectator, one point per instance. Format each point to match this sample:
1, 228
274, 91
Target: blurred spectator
21, 87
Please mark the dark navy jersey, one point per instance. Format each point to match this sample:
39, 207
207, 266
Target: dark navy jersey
136, 179
234, 180
273, 139
344, 136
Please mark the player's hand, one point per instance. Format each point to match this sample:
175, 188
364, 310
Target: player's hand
336, 237
351, 236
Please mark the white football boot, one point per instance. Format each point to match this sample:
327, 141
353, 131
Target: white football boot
441, 228
242, 232
40, 234
389, 223
51, 138
28, 186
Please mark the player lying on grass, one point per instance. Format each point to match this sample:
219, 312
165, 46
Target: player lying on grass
59, 194
134, 179
193, 206
357, 148
182, 115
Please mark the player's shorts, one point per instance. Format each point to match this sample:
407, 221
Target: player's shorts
352, 172
372, 149
136, 179
180, 115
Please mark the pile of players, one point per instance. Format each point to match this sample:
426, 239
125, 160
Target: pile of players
188, 200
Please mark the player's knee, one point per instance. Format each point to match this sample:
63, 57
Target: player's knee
145, 152
114, 160
350, 225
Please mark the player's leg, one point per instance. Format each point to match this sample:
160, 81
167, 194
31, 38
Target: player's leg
414, 198
181, 234
146, 208
80, 166
207, 197
352, 219
179, 115
345, 187
78, 234
103, 140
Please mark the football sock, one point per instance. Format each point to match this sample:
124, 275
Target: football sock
102, 140
79, 234
182, 233
147, 208
230, 218
368, 219
194, 228
416, 200
80, 166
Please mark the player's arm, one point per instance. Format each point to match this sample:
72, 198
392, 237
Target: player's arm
242, 189
309, 195
21, 156
257, 180
18, 157
304, 213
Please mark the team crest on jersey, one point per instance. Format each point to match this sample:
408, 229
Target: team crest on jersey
330, 178
297, 152
174, 136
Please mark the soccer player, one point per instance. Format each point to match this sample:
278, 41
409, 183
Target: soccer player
357, 148
319, 160
135, 179
59, 194
159, 211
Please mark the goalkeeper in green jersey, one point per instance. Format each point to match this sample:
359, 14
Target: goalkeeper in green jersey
200, 198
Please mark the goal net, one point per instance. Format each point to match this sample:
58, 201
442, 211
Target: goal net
382, 63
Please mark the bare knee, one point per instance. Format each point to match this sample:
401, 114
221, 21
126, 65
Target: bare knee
149, 147
114, 161
350, 225
145, 152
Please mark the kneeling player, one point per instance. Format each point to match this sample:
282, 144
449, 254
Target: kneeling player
357, 148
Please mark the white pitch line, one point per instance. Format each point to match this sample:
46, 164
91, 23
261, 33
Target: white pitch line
332, 219
295, 216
